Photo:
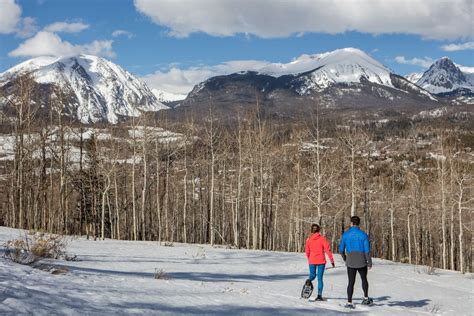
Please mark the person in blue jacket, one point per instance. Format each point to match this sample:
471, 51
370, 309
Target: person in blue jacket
355, 250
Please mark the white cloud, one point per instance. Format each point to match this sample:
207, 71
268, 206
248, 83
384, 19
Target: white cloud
10, 15
457, 47
66, 27
27, 27
50, 44
182, 81
437, 19
466, 69
118, 33
424, 62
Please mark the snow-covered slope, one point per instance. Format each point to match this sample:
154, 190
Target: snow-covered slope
100, 89
117, 278
344, 65
414, 77
164, 96
444, 76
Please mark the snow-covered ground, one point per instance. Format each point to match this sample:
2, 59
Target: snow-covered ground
73, 153
117, 277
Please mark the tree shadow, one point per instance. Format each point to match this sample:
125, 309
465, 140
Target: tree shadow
419, 303
194, 276
382, 301
225, 309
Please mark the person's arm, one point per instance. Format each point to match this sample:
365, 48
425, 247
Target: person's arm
368, 258
307, 248
342, 248
327, 250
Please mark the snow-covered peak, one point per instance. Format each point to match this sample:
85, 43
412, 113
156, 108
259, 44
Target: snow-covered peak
305, 62
444, 76
346, 65
99, 89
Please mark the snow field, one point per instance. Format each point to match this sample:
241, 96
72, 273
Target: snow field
117, 277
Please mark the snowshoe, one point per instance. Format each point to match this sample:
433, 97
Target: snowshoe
307, 289
349, 306
368, 301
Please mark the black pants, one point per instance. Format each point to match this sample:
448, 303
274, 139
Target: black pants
351, 273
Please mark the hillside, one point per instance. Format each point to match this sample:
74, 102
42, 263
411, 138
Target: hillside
117, 277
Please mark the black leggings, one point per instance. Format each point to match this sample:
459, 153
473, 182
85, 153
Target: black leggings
351, 273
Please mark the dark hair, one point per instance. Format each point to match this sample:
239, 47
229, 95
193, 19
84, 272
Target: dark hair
315, 228
355, 220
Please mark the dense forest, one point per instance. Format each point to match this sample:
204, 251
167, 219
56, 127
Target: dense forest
246, 181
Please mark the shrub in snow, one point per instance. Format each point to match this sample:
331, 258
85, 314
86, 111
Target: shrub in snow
18, 250
430, 270
160, 274
30, 249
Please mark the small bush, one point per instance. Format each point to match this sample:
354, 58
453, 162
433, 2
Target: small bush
49, 246
160, 274
34, 247
167, 244
18, 250
425, 270
404, 260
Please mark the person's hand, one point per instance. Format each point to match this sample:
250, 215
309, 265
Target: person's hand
333, 265
370, 267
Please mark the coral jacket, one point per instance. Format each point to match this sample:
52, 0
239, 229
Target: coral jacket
316, 247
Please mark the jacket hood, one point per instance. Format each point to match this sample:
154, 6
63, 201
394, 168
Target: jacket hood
315, 236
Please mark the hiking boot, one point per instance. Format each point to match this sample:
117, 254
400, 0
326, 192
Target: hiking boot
319, 298
367, 301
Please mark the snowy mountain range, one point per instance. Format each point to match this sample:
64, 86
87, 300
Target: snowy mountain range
98, 89
346, 77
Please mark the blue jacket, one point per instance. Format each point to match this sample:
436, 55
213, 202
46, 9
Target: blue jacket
355, 248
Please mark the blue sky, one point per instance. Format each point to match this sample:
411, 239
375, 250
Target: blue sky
158, 35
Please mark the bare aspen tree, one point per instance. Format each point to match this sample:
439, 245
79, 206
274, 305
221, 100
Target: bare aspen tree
145, 136
158, 198
117, 209
353, 139
134, 157
463, 181
211, 135
409, 236
236, 217
392, 225
441, 163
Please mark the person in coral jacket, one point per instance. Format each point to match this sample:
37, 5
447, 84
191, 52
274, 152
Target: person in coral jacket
316, 248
